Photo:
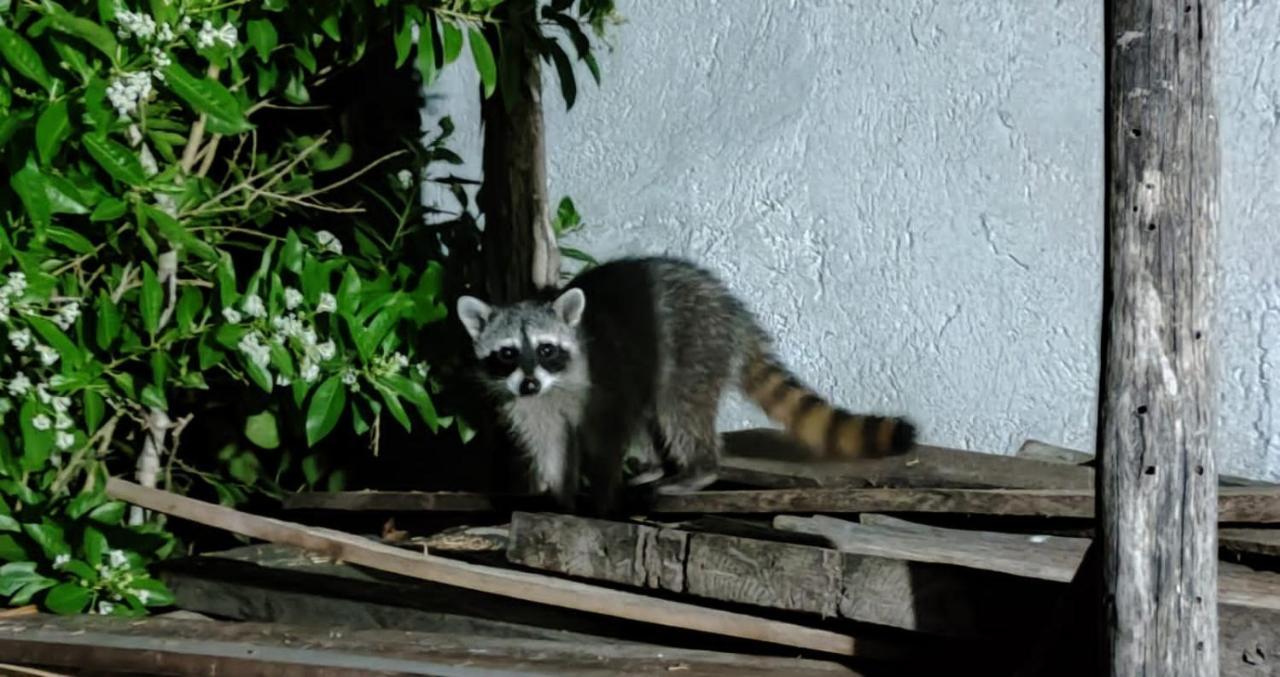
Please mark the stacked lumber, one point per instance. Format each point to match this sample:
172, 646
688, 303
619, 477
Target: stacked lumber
936, 560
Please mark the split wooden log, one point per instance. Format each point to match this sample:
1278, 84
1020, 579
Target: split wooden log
516, 584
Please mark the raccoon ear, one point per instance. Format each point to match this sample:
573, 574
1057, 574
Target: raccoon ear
473, 313
569, 306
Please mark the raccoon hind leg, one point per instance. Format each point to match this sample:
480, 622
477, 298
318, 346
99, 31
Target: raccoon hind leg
692, 450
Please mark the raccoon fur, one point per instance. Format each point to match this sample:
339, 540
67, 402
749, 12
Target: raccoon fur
637, 353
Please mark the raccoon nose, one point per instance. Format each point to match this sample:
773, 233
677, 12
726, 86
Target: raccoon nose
529, 386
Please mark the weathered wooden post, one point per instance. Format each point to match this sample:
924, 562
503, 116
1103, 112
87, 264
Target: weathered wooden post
518, 242
1157, 487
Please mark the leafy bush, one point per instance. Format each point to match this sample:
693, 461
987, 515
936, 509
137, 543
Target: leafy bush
189, 240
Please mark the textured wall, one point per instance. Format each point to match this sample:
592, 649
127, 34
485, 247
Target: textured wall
909, 194
1248, 335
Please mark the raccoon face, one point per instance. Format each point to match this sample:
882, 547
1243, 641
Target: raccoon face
527, 348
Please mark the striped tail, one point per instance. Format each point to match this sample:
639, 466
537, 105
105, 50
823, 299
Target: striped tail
828, 430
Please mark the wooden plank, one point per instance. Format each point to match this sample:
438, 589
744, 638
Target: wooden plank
936, 599
1157, 479
1256, 541
1259, 505
766, 457
953, 601
517, 584
166, 646
1034, 449
1051, 558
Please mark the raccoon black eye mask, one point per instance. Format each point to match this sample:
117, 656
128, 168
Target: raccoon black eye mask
641, 351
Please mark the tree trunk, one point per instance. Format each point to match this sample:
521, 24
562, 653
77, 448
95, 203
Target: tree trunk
1157, 486
519, 246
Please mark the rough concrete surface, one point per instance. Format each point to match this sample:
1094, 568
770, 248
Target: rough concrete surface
909, 194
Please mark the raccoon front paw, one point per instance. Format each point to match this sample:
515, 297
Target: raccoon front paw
646, 477
686, 483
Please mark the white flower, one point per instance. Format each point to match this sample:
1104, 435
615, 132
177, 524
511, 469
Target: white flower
310, 371
4, 309
136, 23
282, 380
252, 346
47, 355
42, 392
116, 559
421, 368
105, 607
167, 204
165, 34
19, 385
61, 404
159, 56
205, 38
349, 377
6, 405
67, 315
329, 241
231, 315
253, 306
308, 338
64, 440
327, 350
127, 90
185, 24
292, 297
61, 421
398, 361
61, 559
143, 595
227, 35
41, 422
20, 338
148, 161
405, 177
134, 134
327, 304
15, 285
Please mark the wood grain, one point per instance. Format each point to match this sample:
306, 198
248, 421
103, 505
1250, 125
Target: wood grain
1157, 482
521, 585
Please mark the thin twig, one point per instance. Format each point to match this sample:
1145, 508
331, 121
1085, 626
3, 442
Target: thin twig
197, 132
357, 174
211, 152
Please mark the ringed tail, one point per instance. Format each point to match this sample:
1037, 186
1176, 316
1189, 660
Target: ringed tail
828, 430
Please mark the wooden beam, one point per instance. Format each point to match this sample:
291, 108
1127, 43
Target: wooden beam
203, 647
1157, 484
1237, 504
516, 584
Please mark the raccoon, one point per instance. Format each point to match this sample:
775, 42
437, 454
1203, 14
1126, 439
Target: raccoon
637, 353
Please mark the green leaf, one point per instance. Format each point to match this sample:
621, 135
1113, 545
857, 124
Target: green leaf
15, 575
49, 537
108, 324
109, 209
258, 375
403, 41
483, 57
152, 299
177, 234
568, 86
394, 405
209, 97
261, 430
227, 281
56, 339
52, 129
94, 410
68, 598
95, 545
305, 58
31, 188
36, 444
331, 27
157, 593
262, 35
450, 41
189, 303
109, 513
90, 31
120, 162
406, 388
8, 523
153, 396
11, 550
427, 54
80, 570
326, 406
24, 595
349, 292
23, 58
311, 469
64, 197
70, 239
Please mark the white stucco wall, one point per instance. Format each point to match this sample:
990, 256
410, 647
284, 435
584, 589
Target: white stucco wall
909, 193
